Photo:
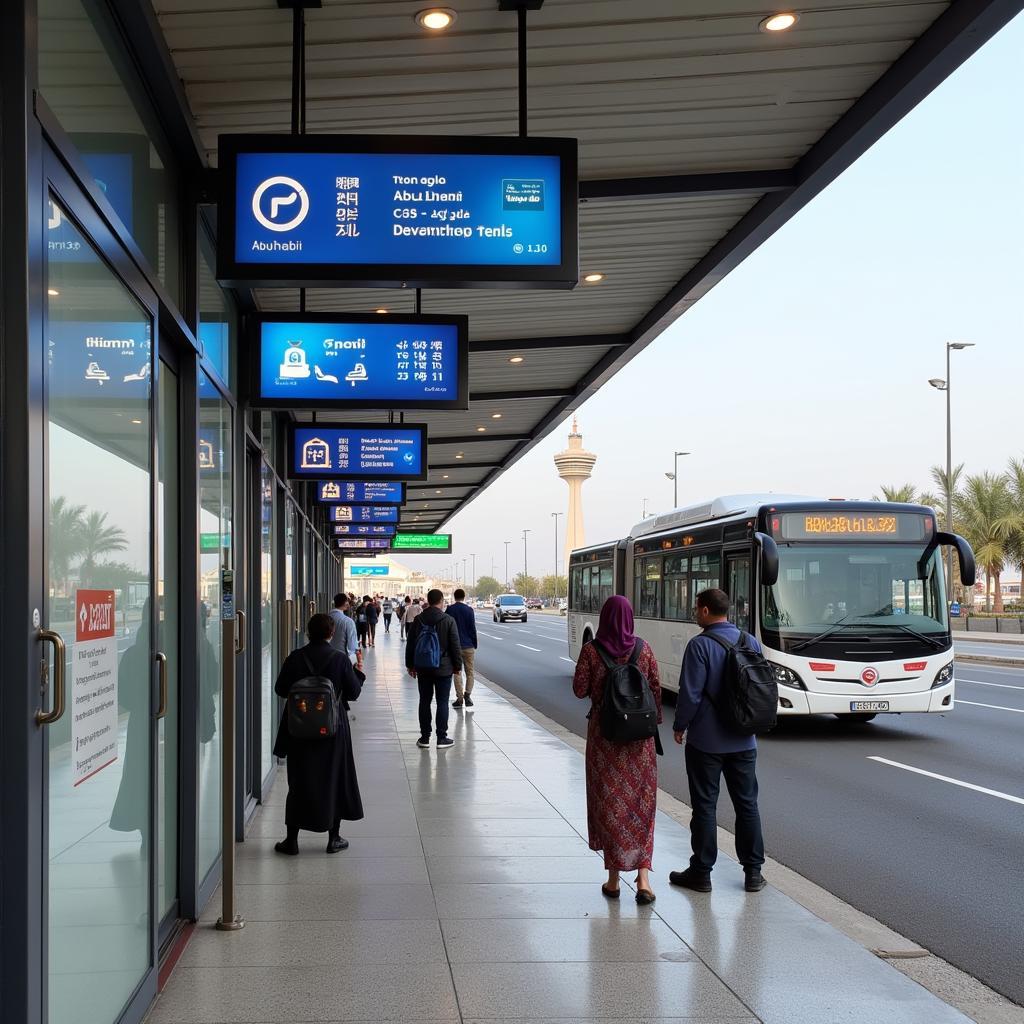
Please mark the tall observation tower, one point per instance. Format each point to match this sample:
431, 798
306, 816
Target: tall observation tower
574, 466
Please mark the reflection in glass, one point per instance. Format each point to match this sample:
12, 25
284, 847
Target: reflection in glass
98, 538
269, 658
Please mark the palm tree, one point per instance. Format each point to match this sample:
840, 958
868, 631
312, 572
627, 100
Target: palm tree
1015, 477
97, 538
65, 537
939, 503
906, 493
985, 513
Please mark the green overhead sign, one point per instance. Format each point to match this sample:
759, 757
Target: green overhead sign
426, 543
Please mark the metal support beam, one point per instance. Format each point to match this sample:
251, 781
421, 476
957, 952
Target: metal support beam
476, 438
520, 396
682, 186
535, 344
462, 465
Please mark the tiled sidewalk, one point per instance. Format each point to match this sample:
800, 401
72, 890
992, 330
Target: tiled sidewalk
469, 894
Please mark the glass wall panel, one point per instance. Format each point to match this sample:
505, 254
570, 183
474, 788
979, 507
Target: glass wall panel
269, 659
98, 546
88, 80
216, 315
216, 558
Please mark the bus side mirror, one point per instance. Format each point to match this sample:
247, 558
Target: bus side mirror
963, 551
769, 559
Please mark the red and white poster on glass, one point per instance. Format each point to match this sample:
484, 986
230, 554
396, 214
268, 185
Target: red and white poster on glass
93, 695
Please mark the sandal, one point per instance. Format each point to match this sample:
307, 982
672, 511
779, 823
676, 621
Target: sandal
645, 897
612, 894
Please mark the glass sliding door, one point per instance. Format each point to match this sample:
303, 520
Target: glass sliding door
269, 637
99, 559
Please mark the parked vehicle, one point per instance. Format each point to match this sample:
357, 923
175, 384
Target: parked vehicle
509, 606
534, 602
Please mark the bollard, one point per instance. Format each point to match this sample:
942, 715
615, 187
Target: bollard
229, 921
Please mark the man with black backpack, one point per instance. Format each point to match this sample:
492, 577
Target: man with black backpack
727, 692
433, 654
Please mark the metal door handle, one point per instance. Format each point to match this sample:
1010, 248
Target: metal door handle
161, 660
240, 637
59, 654
312, 608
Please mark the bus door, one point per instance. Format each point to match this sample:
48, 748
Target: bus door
737, 586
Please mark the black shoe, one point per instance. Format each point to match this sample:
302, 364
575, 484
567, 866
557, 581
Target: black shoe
336, 844
468, 700
754, 881
457, 703
423, 742
446, 742
690, 879
287, 847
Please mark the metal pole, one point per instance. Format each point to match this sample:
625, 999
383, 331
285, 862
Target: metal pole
506, 563
949, 472
474, 570
521, 17
526, 571
675, 481
229, 921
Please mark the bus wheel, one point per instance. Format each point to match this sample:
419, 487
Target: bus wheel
856, 718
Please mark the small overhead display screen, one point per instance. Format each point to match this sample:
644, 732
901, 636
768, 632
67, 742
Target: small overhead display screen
360, 361
365, 543
852, 525
364, 530
423, 543
360, 450
363, 513
419, 211
361, 492
93, 360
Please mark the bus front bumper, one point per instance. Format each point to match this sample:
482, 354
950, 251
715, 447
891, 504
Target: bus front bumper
801, 702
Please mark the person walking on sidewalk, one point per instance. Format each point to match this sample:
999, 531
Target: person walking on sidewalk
713, 749
432, 654
622, 778
322, 786
372, 618
465, 619
344, 638
387, 609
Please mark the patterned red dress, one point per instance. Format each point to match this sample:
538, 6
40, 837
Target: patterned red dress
622, 778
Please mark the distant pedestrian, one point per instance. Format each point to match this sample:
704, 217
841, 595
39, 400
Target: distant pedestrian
432, 654
403, 606
622, 778
372, 618
388, 609
344, 638
323, 789
465, 619
713, 749
363, 621
411, 611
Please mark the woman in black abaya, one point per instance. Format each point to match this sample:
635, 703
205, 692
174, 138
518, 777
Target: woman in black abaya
322, 786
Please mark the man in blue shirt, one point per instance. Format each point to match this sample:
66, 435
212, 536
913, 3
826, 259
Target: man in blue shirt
465, 619
344, 636
714, 750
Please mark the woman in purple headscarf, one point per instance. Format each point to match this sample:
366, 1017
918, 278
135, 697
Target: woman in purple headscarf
622, 778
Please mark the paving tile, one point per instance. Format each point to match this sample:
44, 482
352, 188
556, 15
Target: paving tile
465, 847
630, 990
308, 943
442, 827
551, 900
469, 870
301, 902
313, 866
271, 995
537, 941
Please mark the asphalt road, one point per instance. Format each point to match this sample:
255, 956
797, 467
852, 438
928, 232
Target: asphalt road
936, 861
992, 648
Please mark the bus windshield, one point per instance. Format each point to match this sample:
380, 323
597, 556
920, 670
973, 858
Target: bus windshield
860, 585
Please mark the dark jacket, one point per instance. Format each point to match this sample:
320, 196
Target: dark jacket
448, 637
322, 784
465, 619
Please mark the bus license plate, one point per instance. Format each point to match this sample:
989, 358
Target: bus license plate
869, 705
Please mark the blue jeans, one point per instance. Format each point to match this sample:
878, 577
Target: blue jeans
437, 688
704, 773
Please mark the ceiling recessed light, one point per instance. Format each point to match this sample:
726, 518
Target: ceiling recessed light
381, 310
52, 291
138, 422
593, 278
437, 19
444, 476
480, 430
437, 492
460, 455
516, 359
495, 415
779, 22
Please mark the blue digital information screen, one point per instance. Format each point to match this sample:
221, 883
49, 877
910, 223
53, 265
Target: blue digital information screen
360, 361
369, 570
363, 514
394, 210
361, 450
365, 543
361, 492
365, 530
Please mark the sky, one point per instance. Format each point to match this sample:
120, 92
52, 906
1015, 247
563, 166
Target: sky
805, 371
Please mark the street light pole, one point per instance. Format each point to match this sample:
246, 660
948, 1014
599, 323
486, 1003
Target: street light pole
507, 580
555, 515
674, 477
474, 570
526, 571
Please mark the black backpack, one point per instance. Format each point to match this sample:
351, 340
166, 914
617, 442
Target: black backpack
313, 709
749, 699
628, 711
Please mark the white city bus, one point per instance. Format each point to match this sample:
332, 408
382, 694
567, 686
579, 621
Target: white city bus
847, 597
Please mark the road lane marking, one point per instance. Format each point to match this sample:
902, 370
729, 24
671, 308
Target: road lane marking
571, 662
979, 682
994, 707
946, 778
537, 649
490, 636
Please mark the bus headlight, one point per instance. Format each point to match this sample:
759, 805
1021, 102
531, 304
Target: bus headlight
787, 677
943, 676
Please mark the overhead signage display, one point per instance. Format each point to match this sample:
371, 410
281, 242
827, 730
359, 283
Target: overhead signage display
852, 525
364, 530
363, 513
435, 543
361, 492
364, 543
360, 360
369, 570
391, 211
103, 360
357, 451
93, 691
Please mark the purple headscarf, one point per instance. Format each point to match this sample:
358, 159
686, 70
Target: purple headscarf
615, 630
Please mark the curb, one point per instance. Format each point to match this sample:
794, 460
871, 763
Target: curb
990, 659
